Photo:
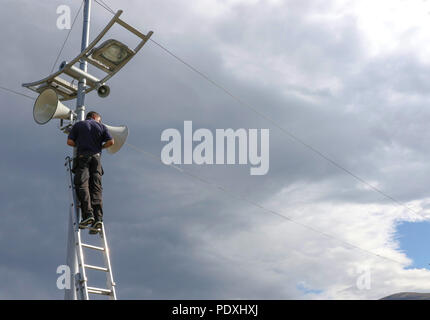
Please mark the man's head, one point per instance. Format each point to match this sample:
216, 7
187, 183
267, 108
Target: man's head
94, 115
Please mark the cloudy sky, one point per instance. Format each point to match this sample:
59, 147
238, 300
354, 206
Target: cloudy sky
348, 78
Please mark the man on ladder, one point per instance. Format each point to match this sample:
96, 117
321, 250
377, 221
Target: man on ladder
90, 136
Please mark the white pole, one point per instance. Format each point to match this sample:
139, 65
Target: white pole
80, 108
80, 111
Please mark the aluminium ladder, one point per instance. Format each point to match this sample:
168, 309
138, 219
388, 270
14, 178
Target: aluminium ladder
83, 291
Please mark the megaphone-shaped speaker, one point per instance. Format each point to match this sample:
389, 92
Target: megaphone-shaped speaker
103, 91
48, 106
119, 134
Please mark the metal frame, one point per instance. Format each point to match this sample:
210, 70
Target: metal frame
67, 90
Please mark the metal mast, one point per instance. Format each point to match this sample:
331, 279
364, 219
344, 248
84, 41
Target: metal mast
80, 108
72, 261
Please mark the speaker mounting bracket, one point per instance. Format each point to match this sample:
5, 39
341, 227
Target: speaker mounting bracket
109, 57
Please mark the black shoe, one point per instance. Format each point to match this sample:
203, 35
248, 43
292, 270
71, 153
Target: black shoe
86, 222
97, 224
96, 227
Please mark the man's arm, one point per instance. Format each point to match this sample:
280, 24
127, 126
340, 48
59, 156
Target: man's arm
72, 137
108, 144
108, 138
71, 143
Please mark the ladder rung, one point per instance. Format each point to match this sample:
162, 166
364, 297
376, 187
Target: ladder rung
96, 268
92, 247
105, 292
87, 227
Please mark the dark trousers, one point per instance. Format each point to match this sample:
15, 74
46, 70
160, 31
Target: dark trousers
88, 183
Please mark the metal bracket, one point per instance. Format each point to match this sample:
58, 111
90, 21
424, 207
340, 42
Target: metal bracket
66, 129
67, 90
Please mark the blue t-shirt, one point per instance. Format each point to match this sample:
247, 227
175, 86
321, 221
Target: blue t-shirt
89, 136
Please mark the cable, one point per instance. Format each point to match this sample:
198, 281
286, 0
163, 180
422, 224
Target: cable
291, 135
255, 204
105, 6
243, 198
67, 38
287, 132
104, 2
18, 93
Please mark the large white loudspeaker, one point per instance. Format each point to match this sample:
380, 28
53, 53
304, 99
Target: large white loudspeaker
48, 106
119, 134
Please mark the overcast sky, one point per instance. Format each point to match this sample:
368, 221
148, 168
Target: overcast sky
349, 78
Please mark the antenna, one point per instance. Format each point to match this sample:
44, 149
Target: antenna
109, 57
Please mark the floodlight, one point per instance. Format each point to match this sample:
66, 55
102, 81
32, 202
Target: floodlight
112, 52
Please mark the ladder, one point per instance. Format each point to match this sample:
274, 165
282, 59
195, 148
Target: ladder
83, 290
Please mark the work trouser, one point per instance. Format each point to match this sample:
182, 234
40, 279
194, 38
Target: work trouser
88, 183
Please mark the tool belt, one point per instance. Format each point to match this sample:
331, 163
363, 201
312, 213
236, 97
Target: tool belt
89, 155
75, 160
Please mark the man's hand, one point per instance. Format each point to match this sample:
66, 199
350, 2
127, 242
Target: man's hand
108, 144
71, 143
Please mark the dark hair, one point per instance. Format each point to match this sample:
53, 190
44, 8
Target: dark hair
92, 114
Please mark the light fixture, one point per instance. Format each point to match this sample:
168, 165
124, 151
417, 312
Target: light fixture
112, 53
